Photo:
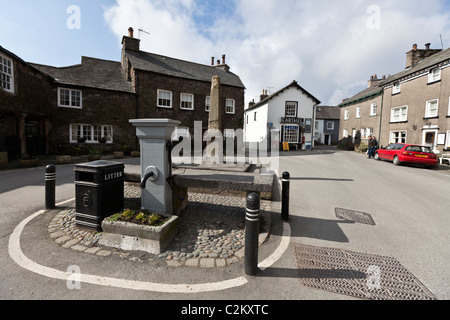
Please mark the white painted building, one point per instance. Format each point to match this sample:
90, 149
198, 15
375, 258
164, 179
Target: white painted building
290, 110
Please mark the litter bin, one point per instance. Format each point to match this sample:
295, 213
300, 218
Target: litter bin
99, 191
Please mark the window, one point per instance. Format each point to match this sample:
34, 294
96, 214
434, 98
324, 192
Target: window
346, 114
397, 137
187, 101
229, 106
6, 74
207, 103
330, 125
164, 99
434, 75
431, 109
290, 134
396, 88
69, 98
254, 116
447, 145
91, 133
291, 109
345, 133
358, 112
373, 109
399, 114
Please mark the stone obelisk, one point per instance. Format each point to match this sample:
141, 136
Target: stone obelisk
214, 144
215, 121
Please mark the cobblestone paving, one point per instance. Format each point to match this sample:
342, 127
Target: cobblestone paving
210, 232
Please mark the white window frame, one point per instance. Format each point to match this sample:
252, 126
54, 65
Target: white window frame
363, 133
373, 109
396, 88
403, 116
447, 145
71, 100
428, 110
330, 125
88, 131
289, 107
346, 114
170, 99
344, 133
6, 74
288, 136
434, 75
230, 106
186, 101
448, 107
399, 136
207, 103
358, 112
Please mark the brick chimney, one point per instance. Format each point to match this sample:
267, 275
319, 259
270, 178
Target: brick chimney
374, 81
416, 55
130, 43
222, 65
263, 95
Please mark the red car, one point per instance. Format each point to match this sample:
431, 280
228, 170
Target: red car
411, 153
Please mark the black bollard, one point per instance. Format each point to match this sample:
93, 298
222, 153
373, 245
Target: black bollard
285, 196
50, 179
251, 234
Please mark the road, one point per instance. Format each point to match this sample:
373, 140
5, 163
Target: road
408, 204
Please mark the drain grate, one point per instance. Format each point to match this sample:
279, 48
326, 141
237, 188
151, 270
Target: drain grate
356, 274
355, 216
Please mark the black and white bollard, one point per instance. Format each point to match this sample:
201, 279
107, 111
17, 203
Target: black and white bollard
285, 196
251, 234
50, 185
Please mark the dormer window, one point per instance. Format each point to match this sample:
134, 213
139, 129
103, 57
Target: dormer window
396, 88
434, 75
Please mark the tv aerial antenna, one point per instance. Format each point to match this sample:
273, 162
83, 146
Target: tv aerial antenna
141, 30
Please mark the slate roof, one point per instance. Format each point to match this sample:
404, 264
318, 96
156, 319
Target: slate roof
179, 68
364, 95
92, 73
419, 68
328, 112
292, 84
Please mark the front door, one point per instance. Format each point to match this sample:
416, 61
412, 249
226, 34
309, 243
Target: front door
429, 138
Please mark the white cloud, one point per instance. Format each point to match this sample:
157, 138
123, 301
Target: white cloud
326, 46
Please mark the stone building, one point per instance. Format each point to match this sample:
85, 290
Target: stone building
44, 109
26, 113
326, 127
412, 106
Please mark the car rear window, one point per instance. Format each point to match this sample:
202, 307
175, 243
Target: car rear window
418, 149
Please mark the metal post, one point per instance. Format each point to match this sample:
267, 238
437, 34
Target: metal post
285, 196
50, 179
251, 233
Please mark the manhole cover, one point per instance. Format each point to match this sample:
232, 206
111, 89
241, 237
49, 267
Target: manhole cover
356, 274
355, 216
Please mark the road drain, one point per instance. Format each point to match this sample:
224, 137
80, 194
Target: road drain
355, 216
356, 274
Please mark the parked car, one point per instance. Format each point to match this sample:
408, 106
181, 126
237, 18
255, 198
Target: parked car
411, 153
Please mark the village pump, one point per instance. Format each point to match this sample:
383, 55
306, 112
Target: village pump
156, 167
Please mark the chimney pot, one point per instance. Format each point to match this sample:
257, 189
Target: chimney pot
414, 47
427, 46
130, 32
218, 62
212, 61
223, 59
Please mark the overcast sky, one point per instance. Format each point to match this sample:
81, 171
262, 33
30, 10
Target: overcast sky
331, 48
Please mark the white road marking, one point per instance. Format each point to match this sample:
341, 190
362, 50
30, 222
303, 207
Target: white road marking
18, 256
